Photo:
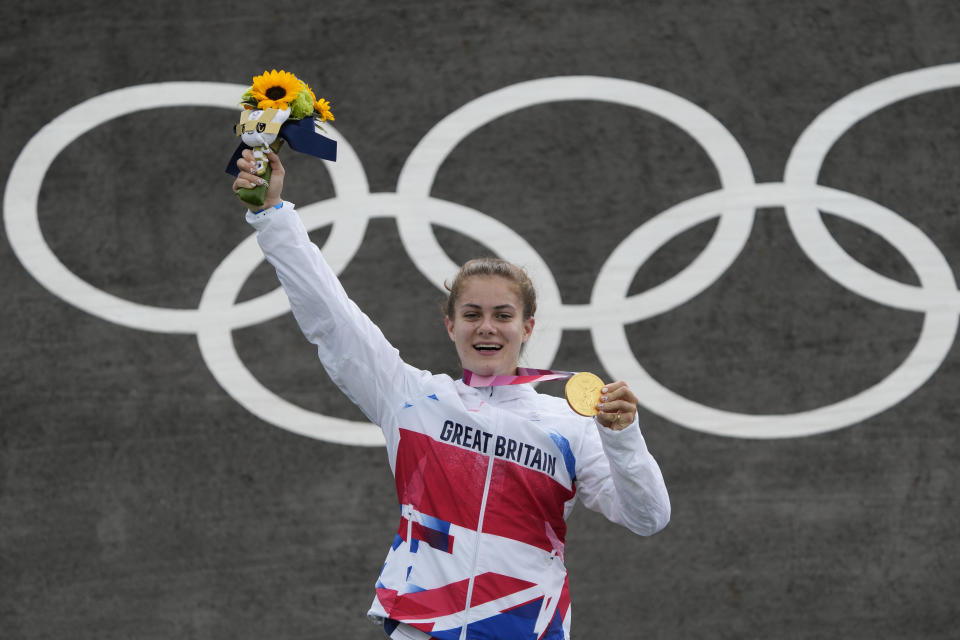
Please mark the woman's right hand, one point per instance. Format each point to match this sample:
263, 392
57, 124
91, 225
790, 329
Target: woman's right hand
246, 179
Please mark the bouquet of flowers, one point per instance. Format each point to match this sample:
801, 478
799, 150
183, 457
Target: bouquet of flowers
280, 107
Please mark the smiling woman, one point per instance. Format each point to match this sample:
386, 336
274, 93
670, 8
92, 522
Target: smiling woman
485, 477
489, 315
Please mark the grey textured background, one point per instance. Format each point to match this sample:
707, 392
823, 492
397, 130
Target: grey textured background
138, 500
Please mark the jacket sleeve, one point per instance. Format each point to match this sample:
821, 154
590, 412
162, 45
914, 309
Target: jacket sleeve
353, 350
617, 476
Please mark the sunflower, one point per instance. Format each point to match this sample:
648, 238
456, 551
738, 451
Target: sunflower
322, 108
275, 89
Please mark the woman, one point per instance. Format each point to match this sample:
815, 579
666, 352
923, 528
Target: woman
485, 477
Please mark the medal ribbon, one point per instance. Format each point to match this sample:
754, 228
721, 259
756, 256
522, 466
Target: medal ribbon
524, 376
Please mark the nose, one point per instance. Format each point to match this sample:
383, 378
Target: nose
487, 327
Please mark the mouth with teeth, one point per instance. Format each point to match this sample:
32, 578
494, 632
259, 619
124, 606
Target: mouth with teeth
488, 348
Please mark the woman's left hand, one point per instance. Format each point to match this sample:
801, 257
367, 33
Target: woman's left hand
618, 406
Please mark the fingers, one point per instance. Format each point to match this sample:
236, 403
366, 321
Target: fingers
618, 406
277, 173
617, 419
618, 391
246, 162
247, 165
275, 165
247, 178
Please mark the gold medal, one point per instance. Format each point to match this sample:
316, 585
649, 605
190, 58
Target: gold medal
583, 393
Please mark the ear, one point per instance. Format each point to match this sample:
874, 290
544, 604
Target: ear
448, 323
528, 328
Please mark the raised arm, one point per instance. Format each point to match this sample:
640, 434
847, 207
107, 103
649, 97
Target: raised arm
353, 350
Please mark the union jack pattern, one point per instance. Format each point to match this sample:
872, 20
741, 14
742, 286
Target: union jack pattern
470, 524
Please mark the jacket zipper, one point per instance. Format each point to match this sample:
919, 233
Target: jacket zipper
483, 512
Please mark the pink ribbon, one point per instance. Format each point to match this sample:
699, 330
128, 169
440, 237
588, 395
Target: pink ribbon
523, 376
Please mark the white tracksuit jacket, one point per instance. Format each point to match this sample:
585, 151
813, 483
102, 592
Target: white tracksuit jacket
485, 477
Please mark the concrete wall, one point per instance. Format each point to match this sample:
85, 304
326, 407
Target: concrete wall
142, 496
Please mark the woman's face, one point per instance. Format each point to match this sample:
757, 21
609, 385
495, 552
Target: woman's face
488, 326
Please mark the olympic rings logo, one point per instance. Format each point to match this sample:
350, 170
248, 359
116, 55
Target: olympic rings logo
415, 210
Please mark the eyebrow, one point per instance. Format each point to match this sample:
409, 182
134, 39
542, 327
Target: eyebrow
474, 305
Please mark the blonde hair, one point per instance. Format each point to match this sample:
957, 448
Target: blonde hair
492, 267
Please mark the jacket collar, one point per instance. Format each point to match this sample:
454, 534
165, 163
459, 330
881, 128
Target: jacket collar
497, 395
